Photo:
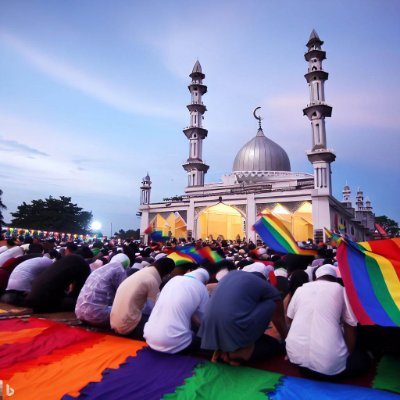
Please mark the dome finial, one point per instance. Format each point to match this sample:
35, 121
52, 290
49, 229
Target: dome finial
257, 117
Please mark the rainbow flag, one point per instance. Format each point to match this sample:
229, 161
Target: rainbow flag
46, 360
201, 255
277, 236
180, 258
335, 237
157, 236
371, 275
191, 251
210, 255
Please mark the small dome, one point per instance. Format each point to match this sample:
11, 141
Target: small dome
261, 154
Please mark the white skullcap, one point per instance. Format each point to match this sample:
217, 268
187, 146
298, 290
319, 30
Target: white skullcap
159, 255
137, 265
123, 259
258, 267
145, 264
281, 272
326, 269
221, 274
200, 273
96, 264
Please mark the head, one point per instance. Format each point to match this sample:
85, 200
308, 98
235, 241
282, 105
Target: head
70, 248
297, 262
123, 259
200, 274
326, 272
297, 279
164, 266
260, 268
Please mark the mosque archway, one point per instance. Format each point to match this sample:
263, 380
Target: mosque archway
297, 221
220, 221
171, 224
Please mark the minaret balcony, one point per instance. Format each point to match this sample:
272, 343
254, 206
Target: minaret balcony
316, 75
197, 106
325, 155
197, 86
314, 53
190, 130
195, 165
320, 106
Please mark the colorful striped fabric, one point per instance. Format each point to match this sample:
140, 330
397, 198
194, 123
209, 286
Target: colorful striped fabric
210, 255
371, 274
200, 255
180, 258
277, 237
191, 251
158, 236
52, 361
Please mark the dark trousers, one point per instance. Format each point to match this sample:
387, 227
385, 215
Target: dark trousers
357, 363
267, 347
137, 333
14, 297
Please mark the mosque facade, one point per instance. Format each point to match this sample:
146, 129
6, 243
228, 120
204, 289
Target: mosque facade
261, 179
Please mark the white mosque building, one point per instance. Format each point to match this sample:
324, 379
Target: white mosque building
261, 179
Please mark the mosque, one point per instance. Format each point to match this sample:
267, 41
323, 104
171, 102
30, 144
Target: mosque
261, 179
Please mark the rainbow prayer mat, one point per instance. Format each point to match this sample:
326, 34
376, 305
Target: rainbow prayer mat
42, 359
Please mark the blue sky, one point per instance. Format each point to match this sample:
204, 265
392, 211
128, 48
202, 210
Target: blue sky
93, 95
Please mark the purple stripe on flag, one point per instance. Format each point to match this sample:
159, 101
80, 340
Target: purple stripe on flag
149, 375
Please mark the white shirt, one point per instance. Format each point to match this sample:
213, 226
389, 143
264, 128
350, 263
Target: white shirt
315, 338
3, 249
169, 327
23, 275
14, 251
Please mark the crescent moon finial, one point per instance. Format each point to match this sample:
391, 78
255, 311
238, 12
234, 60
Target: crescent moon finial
257, 116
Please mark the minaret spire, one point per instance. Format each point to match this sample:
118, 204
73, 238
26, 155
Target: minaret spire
195, 167
145, 190
317, 110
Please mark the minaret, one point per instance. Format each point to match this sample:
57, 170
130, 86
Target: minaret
320, 156
360, 200
195, 167
368, 205
346, 194
145, 190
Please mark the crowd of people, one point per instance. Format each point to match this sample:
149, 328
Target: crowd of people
252, 305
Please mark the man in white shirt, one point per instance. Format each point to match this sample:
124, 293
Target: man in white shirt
322, 335
21, 278
179, 308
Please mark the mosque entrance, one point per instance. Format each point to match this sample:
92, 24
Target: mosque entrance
220, 221
171, 224
298, 221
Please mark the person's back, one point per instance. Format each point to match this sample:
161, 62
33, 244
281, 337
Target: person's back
49, 288
182, 300
23, 275
315, 339
238, 312
131, 297
97, 295
15, 251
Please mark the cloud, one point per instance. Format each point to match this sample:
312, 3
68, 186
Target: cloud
12, 145
86, 81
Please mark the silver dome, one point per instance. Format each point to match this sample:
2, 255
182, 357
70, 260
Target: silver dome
261, 154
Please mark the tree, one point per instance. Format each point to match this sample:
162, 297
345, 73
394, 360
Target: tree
129, 234
54, 215
2, 207
389, 225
